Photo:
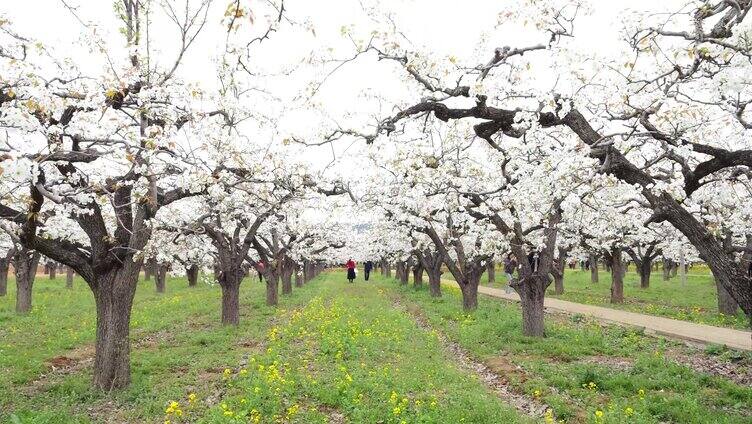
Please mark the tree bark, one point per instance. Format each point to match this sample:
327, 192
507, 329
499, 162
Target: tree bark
418, 275
532, 292
191, 273
434, 282
306, 272
148, 270
558, 282
113, 293
286, 276
558, 269
4, 266
593, 268
726, 304
231, 303
617, 276
53, 271
645, 268
25, 263
272, 288
470, 294
403, 272
69, 273
298, 276
667, 267
388, 269
491, 272
160, 277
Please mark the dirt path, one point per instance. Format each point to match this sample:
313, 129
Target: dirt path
684, 330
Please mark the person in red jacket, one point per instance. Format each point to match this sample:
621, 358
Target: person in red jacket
350, 270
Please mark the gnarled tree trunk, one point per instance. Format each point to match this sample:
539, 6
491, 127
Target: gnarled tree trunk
272, 288
593, 268
668, 266
25, 263
532, 291
617, 276
298, 276
149, 268
229, 280
418, 275
491, 272
160, 277
4, 266
113, 294
645, 268
469, 289
69, 273
191, 273
726, 304
286, 276
403, 272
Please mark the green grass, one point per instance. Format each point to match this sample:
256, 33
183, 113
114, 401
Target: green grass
329, 350
695, 302
633, 380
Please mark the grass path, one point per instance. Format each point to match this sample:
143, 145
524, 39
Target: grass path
331, 352
587, 371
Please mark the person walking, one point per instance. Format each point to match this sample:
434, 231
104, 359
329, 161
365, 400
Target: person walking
350, 270
367, 267
260, 267
509, 266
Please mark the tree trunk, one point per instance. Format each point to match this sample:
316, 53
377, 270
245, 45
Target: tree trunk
434, 282
593, 269
388, 269
560, 266
617, 276
286, 275
491, 272
231, 303
25, 264
298, 276
404, 272
726, 304
272, 288
306, 272
148, 270
532, 292
668, 266
191, 273
645, 267
69, 273
469, 290
418, 275
113, 294
558, 282
53, 271
160, 277
4, 265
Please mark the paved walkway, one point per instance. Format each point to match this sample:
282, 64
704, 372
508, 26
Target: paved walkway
700, 333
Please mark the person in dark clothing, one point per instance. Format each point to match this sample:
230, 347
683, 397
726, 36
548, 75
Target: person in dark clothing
367, 267
350, 270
